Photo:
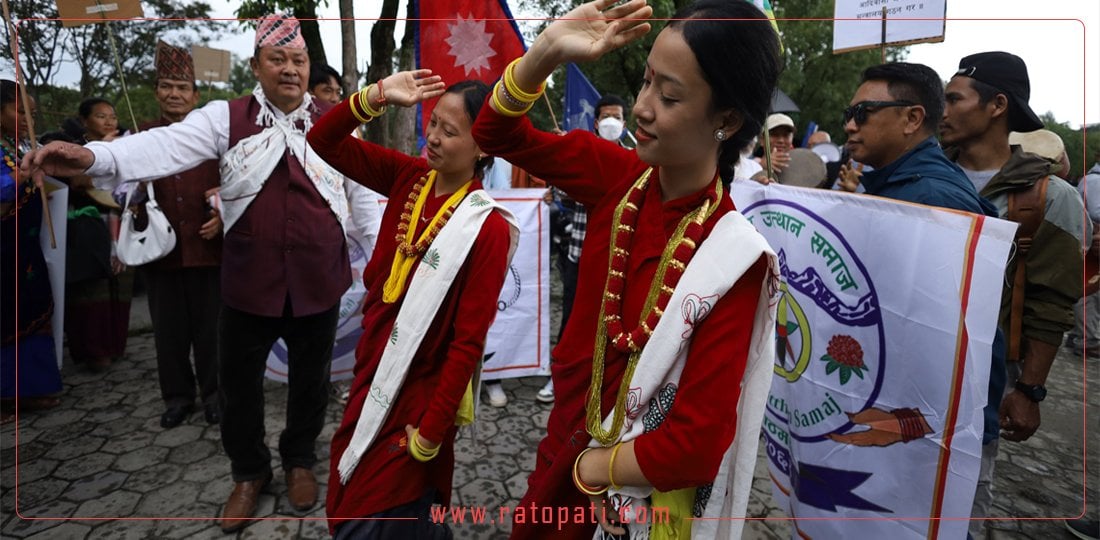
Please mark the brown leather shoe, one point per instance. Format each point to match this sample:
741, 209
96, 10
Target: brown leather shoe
242, 503
301, 488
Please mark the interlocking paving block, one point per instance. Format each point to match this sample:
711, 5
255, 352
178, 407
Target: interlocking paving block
517, 485
141, 458
272, 529
177, 436
76, 447
176, 499
98, 400
58, 417
208, 469
35, 493
120, 427
116, 504
128, 442
119, 373
30, 471
83, 466
107, 414
28, 525
487, 493
498, 468
64, 530
95, 485
123, 530
151, 478
205, 517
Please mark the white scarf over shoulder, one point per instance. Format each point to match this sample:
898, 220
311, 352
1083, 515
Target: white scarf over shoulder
246, 167
732, 247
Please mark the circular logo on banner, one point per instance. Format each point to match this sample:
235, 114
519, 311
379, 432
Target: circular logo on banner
830, 343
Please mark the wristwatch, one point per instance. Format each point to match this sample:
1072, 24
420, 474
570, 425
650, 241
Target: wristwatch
1034, 392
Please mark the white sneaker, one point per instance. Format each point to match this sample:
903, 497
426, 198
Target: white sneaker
546, 395
497, 397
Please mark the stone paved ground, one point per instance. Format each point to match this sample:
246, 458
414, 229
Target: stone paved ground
100, 466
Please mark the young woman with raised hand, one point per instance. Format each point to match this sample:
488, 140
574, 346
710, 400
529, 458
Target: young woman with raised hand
433, 281
664, 367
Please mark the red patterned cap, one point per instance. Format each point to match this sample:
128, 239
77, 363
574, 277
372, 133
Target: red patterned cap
174, 63
279, 30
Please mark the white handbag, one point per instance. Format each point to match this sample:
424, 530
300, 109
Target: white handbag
156, 241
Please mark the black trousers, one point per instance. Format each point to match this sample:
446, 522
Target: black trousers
244, 343
184, 304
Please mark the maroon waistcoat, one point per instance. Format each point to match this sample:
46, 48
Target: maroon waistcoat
288, 244
181, 196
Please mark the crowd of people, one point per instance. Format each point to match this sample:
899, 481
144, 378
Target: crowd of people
261, 190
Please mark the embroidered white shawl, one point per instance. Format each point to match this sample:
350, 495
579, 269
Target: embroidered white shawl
246, 167
731, 249
432, 279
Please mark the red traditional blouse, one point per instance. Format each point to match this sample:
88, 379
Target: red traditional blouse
386, 475
688, 446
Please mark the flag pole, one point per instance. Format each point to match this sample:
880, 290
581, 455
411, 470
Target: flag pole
118, 67
551, 109
27, 113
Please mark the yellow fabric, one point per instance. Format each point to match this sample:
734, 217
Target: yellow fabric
465, 414
679, 503
403, 264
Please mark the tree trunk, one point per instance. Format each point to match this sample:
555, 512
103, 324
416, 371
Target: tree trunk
381, 64
404, 131
347, 41
306, 13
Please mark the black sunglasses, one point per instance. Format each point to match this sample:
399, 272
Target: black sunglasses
860, 110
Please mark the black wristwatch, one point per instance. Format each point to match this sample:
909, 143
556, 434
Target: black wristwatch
1034, 392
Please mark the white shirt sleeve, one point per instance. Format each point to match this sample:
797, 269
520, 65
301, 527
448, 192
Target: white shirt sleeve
364, 212
163, 151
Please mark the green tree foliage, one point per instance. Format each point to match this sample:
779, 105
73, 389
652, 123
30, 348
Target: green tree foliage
820, 82
1081, 157
304, 10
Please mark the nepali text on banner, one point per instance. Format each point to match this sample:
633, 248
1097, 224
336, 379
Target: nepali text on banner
884, 335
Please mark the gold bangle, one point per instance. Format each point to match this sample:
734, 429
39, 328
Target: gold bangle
505, 110
364, 103
515, 90
585, 488
355, 112
611, 466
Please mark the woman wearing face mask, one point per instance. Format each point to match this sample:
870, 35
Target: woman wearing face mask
664, 367
432, 282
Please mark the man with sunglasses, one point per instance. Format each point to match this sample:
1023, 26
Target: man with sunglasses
986, 99
891, 126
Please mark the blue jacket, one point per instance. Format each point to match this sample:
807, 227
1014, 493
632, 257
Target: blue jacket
924, 175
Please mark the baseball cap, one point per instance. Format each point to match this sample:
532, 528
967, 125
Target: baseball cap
1007, 73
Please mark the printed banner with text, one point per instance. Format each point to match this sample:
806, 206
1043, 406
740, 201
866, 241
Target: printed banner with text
884, 332
518, 344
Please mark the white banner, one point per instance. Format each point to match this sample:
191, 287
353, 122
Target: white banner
58, 208
518, 342
858, 23
884, 333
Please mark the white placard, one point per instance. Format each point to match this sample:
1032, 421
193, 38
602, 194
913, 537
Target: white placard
858, 23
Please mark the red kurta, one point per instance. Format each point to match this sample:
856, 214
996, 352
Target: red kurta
386, 475
686, 449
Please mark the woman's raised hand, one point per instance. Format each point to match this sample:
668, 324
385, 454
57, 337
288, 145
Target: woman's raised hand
407, 88
591, 30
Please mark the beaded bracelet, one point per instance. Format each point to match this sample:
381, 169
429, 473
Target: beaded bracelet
585, 488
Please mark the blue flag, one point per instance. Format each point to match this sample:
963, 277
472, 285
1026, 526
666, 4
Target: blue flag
580, 100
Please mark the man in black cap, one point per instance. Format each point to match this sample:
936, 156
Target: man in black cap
985, 101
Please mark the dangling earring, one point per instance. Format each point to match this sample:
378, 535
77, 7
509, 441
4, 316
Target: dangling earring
719, 135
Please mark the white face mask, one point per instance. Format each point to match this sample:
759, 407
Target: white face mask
610, 128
